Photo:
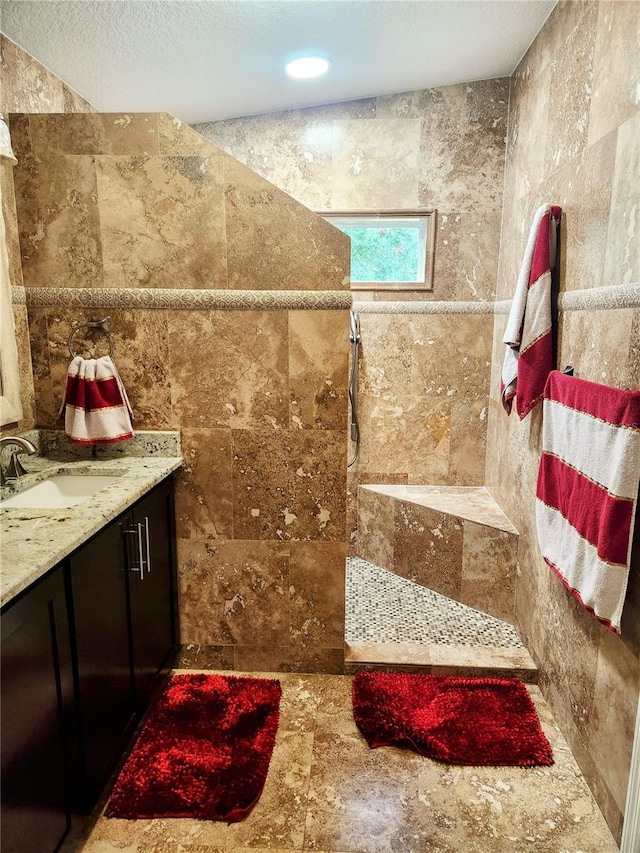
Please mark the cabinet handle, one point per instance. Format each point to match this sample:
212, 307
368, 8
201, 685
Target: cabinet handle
136, 531
140, 551
146, 530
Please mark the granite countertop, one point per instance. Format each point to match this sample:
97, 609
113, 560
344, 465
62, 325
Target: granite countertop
32, 541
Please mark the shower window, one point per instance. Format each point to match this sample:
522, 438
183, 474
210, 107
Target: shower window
390, 250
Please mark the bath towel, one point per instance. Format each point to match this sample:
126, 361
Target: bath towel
96, 407
529, 339
588, 489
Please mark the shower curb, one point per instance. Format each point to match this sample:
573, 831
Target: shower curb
472, 661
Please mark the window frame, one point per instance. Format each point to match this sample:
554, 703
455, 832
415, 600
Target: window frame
356, 217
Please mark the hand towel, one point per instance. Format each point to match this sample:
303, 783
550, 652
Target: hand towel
587, 490
529, 356
96, 407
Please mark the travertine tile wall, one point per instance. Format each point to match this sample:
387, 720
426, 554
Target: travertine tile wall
27, 86
441, 550
574, 140
144, 208
424, 379
441, 148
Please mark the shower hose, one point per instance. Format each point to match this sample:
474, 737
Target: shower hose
354, 337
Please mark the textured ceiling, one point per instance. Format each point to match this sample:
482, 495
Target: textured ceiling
212, 59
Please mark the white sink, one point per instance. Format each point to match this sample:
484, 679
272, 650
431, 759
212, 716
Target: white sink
59, 492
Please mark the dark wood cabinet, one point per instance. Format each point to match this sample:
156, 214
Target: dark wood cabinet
105, 705
83, 652
151, 544
37, 693
122, 593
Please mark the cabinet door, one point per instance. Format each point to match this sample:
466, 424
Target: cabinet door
36, 699
104, 691
153, 592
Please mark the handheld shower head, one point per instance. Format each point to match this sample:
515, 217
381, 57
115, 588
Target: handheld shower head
354, 323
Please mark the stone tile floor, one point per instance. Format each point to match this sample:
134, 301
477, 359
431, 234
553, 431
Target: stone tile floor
328, 792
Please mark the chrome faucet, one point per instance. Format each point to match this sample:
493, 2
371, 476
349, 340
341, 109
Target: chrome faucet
15, 468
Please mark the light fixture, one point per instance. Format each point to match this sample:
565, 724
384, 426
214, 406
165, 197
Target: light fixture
307, 67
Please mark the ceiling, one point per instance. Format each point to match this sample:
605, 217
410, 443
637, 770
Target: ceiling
213, 59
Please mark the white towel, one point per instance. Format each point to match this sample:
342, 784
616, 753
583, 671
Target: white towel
529, 355
587, 490
96, 407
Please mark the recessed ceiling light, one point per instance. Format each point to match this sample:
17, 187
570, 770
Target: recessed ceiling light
307, 67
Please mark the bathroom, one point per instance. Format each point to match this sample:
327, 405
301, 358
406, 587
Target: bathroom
260, 560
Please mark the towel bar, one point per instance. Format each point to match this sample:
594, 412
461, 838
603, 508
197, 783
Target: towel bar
98, 325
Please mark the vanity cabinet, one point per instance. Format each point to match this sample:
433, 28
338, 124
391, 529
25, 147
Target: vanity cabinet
37, 699
105, 707
84, 650
123, 591
152, 591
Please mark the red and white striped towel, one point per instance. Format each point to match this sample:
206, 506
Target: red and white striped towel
529, 356
587, 490
96, 407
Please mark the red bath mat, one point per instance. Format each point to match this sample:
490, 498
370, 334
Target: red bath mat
476, 721
203, 752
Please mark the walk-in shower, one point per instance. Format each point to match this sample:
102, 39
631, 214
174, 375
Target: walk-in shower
430, 576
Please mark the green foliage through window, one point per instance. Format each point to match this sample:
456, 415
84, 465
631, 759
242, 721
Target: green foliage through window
390, 250
384, 253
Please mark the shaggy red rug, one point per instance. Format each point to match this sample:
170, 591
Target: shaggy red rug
203, 752
477, 721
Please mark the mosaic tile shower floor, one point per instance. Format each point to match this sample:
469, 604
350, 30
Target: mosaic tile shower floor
328, 792
382, 607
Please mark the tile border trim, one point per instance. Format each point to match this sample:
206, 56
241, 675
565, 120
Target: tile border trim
591, 299
366, 307
177, 299
18, 295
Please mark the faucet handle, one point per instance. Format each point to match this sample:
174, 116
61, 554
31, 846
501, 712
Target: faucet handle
15, 468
